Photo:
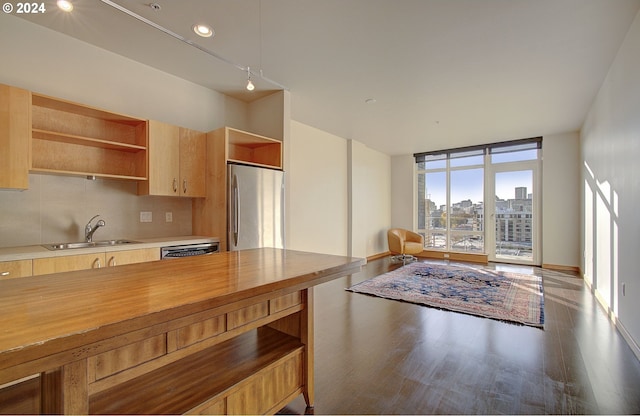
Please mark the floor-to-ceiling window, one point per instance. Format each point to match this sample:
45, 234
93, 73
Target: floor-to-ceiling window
456, 187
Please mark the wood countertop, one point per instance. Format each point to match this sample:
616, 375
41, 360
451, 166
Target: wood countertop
46, 321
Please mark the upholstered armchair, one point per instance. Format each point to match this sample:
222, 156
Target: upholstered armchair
403, 244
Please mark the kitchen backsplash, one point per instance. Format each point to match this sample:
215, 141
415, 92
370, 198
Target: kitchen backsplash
56, 209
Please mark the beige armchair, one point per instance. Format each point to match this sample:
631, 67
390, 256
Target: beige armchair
403, 244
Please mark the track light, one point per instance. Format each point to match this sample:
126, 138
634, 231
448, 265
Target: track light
250, 85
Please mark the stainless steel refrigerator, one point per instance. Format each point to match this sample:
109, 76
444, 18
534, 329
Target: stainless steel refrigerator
255, 207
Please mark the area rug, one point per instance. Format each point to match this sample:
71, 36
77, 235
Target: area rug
475, 290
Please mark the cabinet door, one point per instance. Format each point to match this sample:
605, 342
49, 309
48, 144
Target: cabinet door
268, 390
119, 258
68, 263
17, 268
192, 163
164, 160
15, 134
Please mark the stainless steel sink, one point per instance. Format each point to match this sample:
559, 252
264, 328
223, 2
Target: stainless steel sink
84, 244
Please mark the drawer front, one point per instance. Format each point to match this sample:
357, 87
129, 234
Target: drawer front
123, 358
268, 388
200, 331
284, 302
120, 258
13, 269
21, 397
246, 315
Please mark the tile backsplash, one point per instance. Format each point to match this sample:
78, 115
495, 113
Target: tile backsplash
56, 209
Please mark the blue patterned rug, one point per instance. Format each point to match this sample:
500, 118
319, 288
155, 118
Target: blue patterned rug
475, 290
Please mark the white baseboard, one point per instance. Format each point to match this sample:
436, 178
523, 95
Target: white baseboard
614, 319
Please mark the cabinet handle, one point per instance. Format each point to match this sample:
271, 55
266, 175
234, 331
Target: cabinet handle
97, 263
184, 186
175, 185
112, 262
5, 273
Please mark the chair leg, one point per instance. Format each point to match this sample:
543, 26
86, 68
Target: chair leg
405, 258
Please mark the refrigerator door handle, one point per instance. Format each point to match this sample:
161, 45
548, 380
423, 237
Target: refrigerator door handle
236, 202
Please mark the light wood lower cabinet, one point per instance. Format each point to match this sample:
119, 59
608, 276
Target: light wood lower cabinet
119, 258
68, 263
93, 261
13, 269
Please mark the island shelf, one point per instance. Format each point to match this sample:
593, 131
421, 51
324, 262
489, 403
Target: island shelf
228, 333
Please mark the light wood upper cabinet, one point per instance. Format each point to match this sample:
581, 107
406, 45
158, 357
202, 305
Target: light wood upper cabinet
164, 160
15, 122
193, 157
176, 161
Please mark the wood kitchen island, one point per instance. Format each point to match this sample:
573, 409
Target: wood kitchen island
225, 333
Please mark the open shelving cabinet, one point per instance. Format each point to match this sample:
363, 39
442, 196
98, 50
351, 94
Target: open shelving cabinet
229, 145
252, 149
74, 139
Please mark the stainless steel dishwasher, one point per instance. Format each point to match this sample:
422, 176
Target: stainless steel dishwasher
188, 250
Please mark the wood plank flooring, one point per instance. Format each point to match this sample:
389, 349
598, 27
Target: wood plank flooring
379, 356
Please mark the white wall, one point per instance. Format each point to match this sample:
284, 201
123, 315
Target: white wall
560, 196
268, 115
317, 191
403, 194
370, 200
339, 194
610, 168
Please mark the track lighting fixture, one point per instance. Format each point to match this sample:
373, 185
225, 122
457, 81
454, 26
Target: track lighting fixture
250, 85
156, 7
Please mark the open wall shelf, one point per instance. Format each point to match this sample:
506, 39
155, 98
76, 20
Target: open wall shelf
74, 139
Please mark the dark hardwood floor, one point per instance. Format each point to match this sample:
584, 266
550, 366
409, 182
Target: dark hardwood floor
379, 356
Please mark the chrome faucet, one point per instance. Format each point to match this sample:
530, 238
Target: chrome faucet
89, 230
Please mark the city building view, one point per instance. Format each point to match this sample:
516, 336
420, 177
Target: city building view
513, 222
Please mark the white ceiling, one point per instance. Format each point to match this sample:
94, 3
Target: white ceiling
444, 73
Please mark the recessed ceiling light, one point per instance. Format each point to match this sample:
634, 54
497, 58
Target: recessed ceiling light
203, 30
370, 101
65, 5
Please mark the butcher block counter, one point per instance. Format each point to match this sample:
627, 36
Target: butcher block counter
225, 333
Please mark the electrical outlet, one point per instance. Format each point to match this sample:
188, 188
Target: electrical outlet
168, 217
146, 216
446, 255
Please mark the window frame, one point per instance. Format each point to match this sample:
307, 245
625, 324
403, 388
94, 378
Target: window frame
486, 151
